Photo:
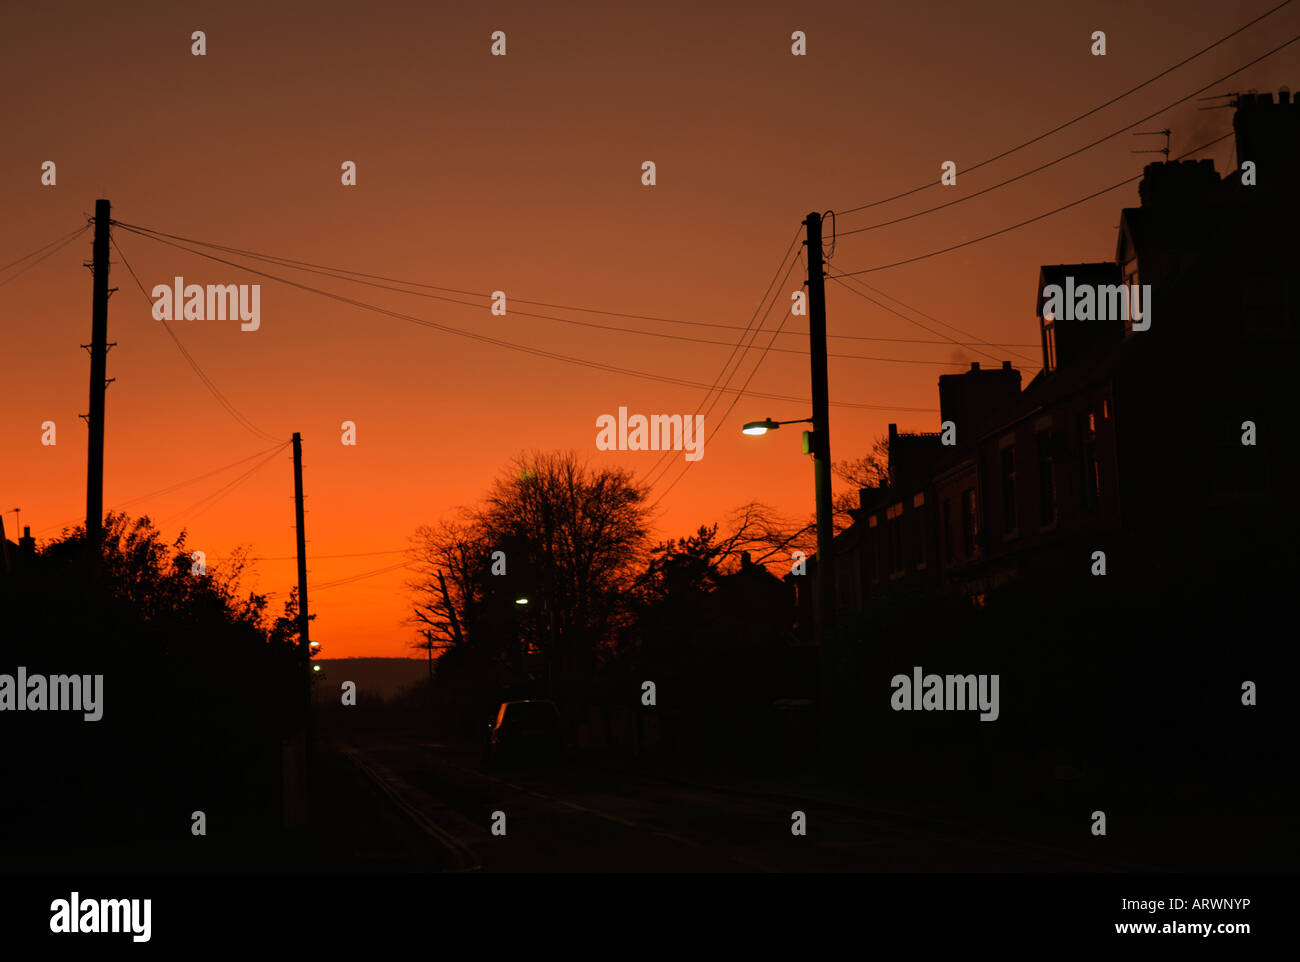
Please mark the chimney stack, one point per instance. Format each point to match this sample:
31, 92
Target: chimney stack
27, 544
1268, 135
970, 398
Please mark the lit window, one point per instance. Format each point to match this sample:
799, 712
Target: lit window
1089, 466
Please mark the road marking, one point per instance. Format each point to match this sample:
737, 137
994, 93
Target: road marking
390, 785
614, 818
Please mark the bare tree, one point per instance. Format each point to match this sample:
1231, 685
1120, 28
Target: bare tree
768, 537
572, 541
869, 471
448, 559
754, 529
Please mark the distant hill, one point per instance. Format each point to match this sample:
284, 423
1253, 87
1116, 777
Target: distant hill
385, 677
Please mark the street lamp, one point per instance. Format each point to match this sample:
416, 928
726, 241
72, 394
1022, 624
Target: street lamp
767, 424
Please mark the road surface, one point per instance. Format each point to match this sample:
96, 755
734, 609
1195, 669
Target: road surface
584, 818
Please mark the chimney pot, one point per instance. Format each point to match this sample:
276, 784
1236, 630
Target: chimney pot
974, 365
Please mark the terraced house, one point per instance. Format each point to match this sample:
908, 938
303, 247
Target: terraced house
1164, 445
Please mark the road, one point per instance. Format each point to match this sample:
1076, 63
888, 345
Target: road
585, 818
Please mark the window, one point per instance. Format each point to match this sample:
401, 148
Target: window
1130, 272
919, 514
894, 514
947, 530
969, 522
1049, 345
846, 586
872, 549
1089, 467
1046, 480
533, 714
1009, 520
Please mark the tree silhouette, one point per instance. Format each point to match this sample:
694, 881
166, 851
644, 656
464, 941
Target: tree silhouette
573, 542
197, 690
869, 471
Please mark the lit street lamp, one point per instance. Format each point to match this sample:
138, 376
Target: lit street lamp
767, 424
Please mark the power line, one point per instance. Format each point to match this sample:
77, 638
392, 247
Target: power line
660, 467
230, 408
358, 577
315, 557
80, 230
723, 420
904, 340
1073, 153
1023, 223
62, 242
340, 273
198, 507
886, 307
726, 414
497, 342
1075, 120
976, 347
167, 490
663, 464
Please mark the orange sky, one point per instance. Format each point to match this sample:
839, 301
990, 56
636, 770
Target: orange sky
523, 173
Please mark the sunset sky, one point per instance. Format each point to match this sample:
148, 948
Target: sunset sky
523, 173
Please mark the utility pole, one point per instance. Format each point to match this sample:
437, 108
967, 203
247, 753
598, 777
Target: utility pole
821, 452
98, 380
428, 649
303, 640
296, 748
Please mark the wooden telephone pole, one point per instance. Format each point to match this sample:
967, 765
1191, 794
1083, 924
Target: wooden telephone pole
304, 621
296, 747
98, 380
821, 450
